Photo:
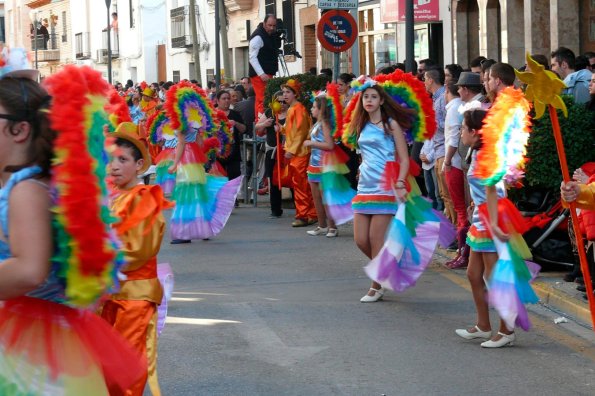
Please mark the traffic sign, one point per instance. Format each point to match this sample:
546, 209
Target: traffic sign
337, 4
336, 30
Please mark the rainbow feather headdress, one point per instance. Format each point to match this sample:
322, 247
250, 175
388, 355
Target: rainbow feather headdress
407, 91
159, 128
187, 107
504, 136
117, 109
224, 134
86, 248
335, 106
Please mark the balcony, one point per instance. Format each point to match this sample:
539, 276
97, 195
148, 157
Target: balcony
233, 5
114, 44
46, 47
180, 27
82, 46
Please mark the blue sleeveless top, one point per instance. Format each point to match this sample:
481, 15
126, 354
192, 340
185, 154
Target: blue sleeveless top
53, 288
189, 137
377, 148
478, 192
317, 135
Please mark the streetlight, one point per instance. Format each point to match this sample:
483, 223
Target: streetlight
33, 18
109, 44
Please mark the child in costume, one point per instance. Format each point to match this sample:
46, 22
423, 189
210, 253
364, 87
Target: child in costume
297, 126
138, 207
320, 140
57, 256
203, 201
387, 192
161, 134
497, 248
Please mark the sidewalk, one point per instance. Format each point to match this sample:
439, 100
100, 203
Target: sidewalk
553, 292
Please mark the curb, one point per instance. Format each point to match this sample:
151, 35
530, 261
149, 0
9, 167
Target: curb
561, 301
548, 294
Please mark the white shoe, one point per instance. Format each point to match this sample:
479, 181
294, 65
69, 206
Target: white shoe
318, 231
332, 233
378, 294
506, 340
476, 334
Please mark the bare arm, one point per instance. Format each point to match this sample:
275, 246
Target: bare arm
492, 204
402, 157
30, 241
179, 151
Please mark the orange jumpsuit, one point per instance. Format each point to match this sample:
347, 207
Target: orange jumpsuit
133, 310
297, 128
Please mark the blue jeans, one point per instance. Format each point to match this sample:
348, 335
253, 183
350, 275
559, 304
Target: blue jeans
432, 187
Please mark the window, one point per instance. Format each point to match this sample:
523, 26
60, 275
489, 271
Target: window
176, 76
64, 28
2, 27
270, 7
288, 26
131, 8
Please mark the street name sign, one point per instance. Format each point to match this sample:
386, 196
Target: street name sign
337, 4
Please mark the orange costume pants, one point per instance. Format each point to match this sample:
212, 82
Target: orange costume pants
259, 88
137, 322
302, 195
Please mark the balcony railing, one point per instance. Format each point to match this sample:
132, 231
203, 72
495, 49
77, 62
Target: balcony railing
46, 47
82, 45
114, 44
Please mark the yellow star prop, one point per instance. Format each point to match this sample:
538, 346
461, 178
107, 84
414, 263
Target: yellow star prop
543, 87
275, 106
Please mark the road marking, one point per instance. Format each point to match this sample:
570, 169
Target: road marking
198, 321
263, 343
577, 344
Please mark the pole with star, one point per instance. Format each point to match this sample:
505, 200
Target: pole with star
543, 89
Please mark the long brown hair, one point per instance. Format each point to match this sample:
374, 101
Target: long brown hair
25, 100
388, 110
324, 111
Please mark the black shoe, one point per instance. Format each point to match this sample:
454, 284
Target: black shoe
180, 241
579, 280
274, 216
581, 288
453, 246
570, 277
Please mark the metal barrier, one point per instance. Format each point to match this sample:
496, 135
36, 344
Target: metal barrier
251, 185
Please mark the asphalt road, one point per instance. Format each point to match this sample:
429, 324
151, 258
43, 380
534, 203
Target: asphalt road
265, 309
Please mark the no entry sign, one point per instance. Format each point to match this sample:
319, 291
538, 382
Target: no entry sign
336, 30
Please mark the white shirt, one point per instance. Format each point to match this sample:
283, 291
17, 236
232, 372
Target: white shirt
255, 45
452, 129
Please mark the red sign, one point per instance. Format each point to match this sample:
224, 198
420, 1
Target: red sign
336, 30
423, 10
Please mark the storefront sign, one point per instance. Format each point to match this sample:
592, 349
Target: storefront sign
336, 30
423, 11
337, 4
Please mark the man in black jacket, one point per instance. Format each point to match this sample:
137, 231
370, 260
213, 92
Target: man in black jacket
264, 58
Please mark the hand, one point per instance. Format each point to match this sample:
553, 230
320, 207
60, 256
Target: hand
288, 155
423, 158
498, 233
446, 167
172, 168
569, 191
307, 143
264, 77
401, 194
580, 176
232, 123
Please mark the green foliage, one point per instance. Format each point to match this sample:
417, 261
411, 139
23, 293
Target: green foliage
309, 83
578, 132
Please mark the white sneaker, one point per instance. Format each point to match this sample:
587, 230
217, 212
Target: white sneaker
332, 233
318, 231
378, 294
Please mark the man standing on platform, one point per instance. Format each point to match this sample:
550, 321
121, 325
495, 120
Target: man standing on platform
264, 58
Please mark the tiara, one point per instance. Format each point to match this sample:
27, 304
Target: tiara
362, 83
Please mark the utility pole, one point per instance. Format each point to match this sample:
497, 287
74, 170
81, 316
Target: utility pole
223, 33
409, 41
195, 41
217, 47
109, 44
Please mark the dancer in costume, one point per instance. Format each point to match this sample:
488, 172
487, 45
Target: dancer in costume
497, 248
57, 255
149, 105
297, 127
320, 140
387, 187
132, 311
203, 201
335, 185
162, 134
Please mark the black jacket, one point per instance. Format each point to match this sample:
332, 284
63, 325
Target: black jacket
268, 56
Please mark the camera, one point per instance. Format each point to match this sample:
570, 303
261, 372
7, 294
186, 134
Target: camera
281, 35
